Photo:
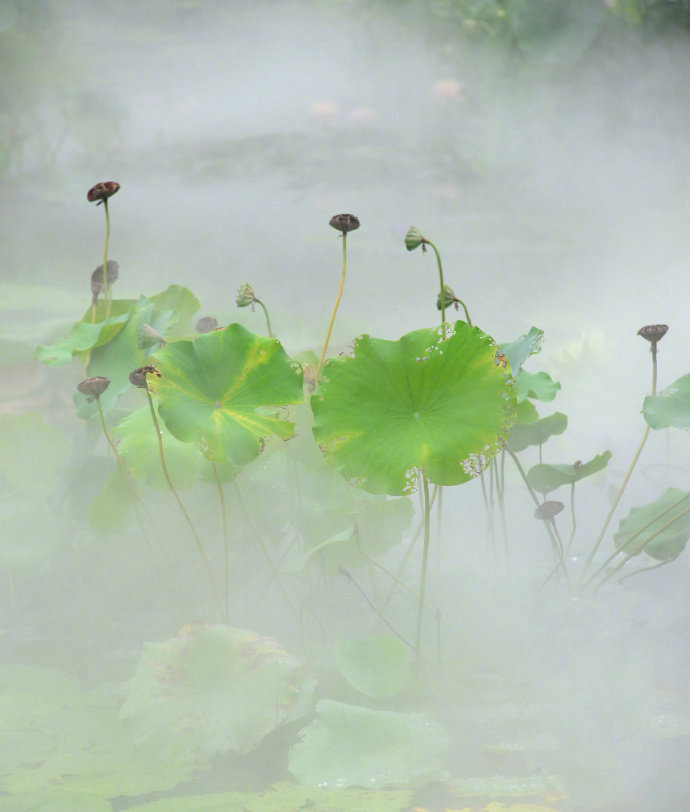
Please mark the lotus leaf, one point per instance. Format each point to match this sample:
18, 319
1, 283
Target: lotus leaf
661, 528
545, 478
348, 745
537, 385
536, 432
223, 389
378, 666
440, 400
519, 351
212, 689
671, 407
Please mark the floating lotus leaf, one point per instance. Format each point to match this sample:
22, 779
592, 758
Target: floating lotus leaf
661, 528
439, 399
545, 478
348, 745
378, 666
671, 407
223, 389
212, 689
536, 432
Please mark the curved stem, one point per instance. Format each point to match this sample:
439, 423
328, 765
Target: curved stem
440, 274
268, 320
335, 308
188, 519
464, 307
425, 558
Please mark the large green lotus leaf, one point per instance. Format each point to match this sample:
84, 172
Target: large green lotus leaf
212, 689
222, 390
348, 745
86, 336
55, 800
288, 797
519, 351
138, 447
377, 667
439, 400
91, 750
537, 385
661, 527
671, 407
32, 453
545, 478
537, 432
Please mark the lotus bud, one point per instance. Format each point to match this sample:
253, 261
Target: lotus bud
413, 239
653, 332
206, 324
344, 222
102, 191
138, 377
147, 337
94, 387
245, 295
549, 509
449, 298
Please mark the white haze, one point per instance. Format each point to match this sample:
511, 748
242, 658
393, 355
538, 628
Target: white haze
576, 221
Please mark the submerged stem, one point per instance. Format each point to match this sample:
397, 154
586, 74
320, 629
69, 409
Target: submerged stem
425, 557
335, 308
226, 552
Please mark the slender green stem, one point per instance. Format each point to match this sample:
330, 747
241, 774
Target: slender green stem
106, 287
502, 509
440, 274
268, 320
226, 550
572, 517
425, 557
628, 474
199, 544
335, 308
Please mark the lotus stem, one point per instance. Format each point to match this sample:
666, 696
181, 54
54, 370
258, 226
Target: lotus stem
268, 320
335, 308
186, 515
425, 559
226, 551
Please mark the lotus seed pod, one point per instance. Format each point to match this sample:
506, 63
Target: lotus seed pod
206, 324
93, 387
138, 377
449, 298
147, 337
549, 509
245, 295
344, 222
102, 191
653, 332
97, 279
413, 239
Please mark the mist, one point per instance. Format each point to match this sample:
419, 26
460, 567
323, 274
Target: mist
550, 171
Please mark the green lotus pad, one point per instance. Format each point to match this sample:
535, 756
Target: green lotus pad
212, 689
223, 391
661, 528
439, 400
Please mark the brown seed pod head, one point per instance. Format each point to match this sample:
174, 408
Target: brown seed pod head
344, 222
147, 337
206, 324
102, 191
549, 509
93, 388
653, 332
138, 377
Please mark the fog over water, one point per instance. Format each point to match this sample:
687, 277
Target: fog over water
556, 191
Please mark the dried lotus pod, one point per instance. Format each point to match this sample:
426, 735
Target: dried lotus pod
138, 377
653, 332
344, 222
94, 387
147, 337
97, 279
206, 324
102, 191
549, 509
